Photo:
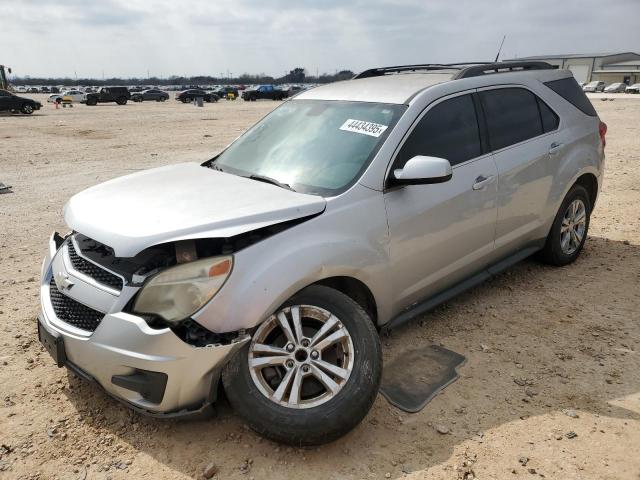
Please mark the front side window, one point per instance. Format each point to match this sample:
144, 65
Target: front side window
512, 116
449, 130
315, 146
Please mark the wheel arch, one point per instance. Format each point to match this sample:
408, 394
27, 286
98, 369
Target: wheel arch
590, 182
355, 289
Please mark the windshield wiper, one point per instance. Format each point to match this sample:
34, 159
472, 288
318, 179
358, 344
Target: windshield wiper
273, 181
215, 166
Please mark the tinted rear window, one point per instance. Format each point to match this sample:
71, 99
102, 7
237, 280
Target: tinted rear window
512, 116
569, 89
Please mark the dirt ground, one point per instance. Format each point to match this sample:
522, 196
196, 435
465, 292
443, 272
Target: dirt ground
550, 351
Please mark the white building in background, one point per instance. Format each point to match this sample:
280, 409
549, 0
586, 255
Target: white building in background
608, 67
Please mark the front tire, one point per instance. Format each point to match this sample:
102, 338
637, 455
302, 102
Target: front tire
311, 372
569, 230
26, 108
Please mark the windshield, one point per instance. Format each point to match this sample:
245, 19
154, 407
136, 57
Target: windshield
314, 146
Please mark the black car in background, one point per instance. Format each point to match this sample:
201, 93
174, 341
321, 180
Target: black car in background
10, 102
150, 95
264, 91
191, 94
120, 95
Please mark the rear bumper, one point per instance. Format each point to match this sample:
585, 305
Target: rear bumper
150, 370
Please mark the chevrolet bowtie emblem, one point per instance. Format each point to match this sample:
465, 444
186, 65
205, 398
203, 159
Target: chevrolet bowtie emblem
62, 281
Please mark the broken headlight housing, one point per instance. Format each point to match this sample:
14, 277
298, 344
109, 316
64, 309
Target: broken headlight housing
178, 292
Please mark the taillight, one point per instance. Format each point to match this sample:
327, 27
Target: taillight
602, 128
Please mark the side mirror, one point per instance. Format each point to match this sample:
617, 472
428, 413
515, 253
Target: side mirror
421, 170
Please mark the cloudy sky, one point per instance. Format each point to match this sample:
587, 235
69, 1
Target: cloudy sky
188, 37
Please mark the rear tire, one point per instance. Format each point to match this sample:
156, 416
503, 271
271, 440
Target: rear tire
319, 412
121, 100
569, 230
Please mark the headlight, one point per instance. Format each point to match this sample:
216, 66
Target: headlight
178, 292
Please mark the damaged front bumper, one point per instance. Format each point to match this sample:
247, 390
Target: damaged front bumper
151, 370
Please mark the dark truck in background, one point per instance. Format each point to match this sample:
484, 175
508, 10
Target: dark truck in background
264, 91
120, 95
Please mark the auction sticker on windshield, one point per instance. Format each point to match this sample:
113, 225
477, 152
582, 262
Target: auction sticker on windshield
361, 126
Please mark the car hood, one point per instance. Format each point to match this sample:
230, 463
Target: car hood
181, 202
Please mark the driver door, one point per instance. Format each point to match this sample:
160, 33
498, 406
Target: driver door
442, 233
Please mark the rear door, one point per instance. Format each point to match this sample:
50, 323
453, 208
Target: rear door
442, 233
522, 133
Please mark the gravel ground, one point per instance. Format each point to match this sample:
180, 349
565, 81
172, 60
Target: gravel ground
550, 351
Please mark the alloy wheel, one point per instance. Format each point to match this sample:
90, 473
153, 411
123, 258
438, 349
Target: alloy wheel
301, 356
573, 227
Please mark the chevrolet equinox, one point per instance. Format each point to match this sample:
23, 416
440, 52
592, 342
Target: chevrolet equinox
268, 270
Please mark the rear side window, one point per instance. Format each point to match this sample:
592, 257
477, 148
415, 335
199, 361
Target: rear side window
512, 116
449, 130
569, 89
550, 120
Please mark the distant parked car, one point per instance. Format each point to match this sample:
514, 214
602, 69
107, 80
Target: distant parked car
193, 93
120, 95
264, 91
32, 90
223, 92
150, 95
67, 95
294, 90
54, 90
10, 102
595, 86
616, 88
635, 88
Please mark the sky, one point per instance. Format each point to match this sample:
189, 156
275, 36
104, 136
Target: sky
136, 38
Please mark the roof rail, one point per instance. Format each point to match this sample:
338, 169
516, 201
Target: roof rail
501, 67
377, 72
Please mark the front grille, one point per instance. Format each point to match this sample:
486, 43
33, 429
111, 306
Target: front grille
72, 312
92, 270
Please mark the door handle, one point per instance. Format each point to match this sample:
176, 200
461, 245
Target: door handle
554, 148
482, 181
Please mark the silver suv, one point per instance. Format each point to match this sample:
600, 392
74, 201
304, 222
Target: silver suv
354, 206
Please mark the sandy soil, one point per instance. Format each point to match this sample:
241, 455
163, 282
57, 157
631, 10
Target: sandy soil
550, 351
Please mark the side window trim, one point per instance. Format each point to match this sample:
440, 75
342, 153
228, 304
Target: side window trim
482, 123
524, 87
425, 110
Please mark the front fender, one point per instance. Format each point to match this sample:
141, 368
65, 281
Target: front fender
349, 239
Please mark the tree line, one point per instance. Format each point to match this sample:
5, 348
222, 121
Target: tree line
297, 75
